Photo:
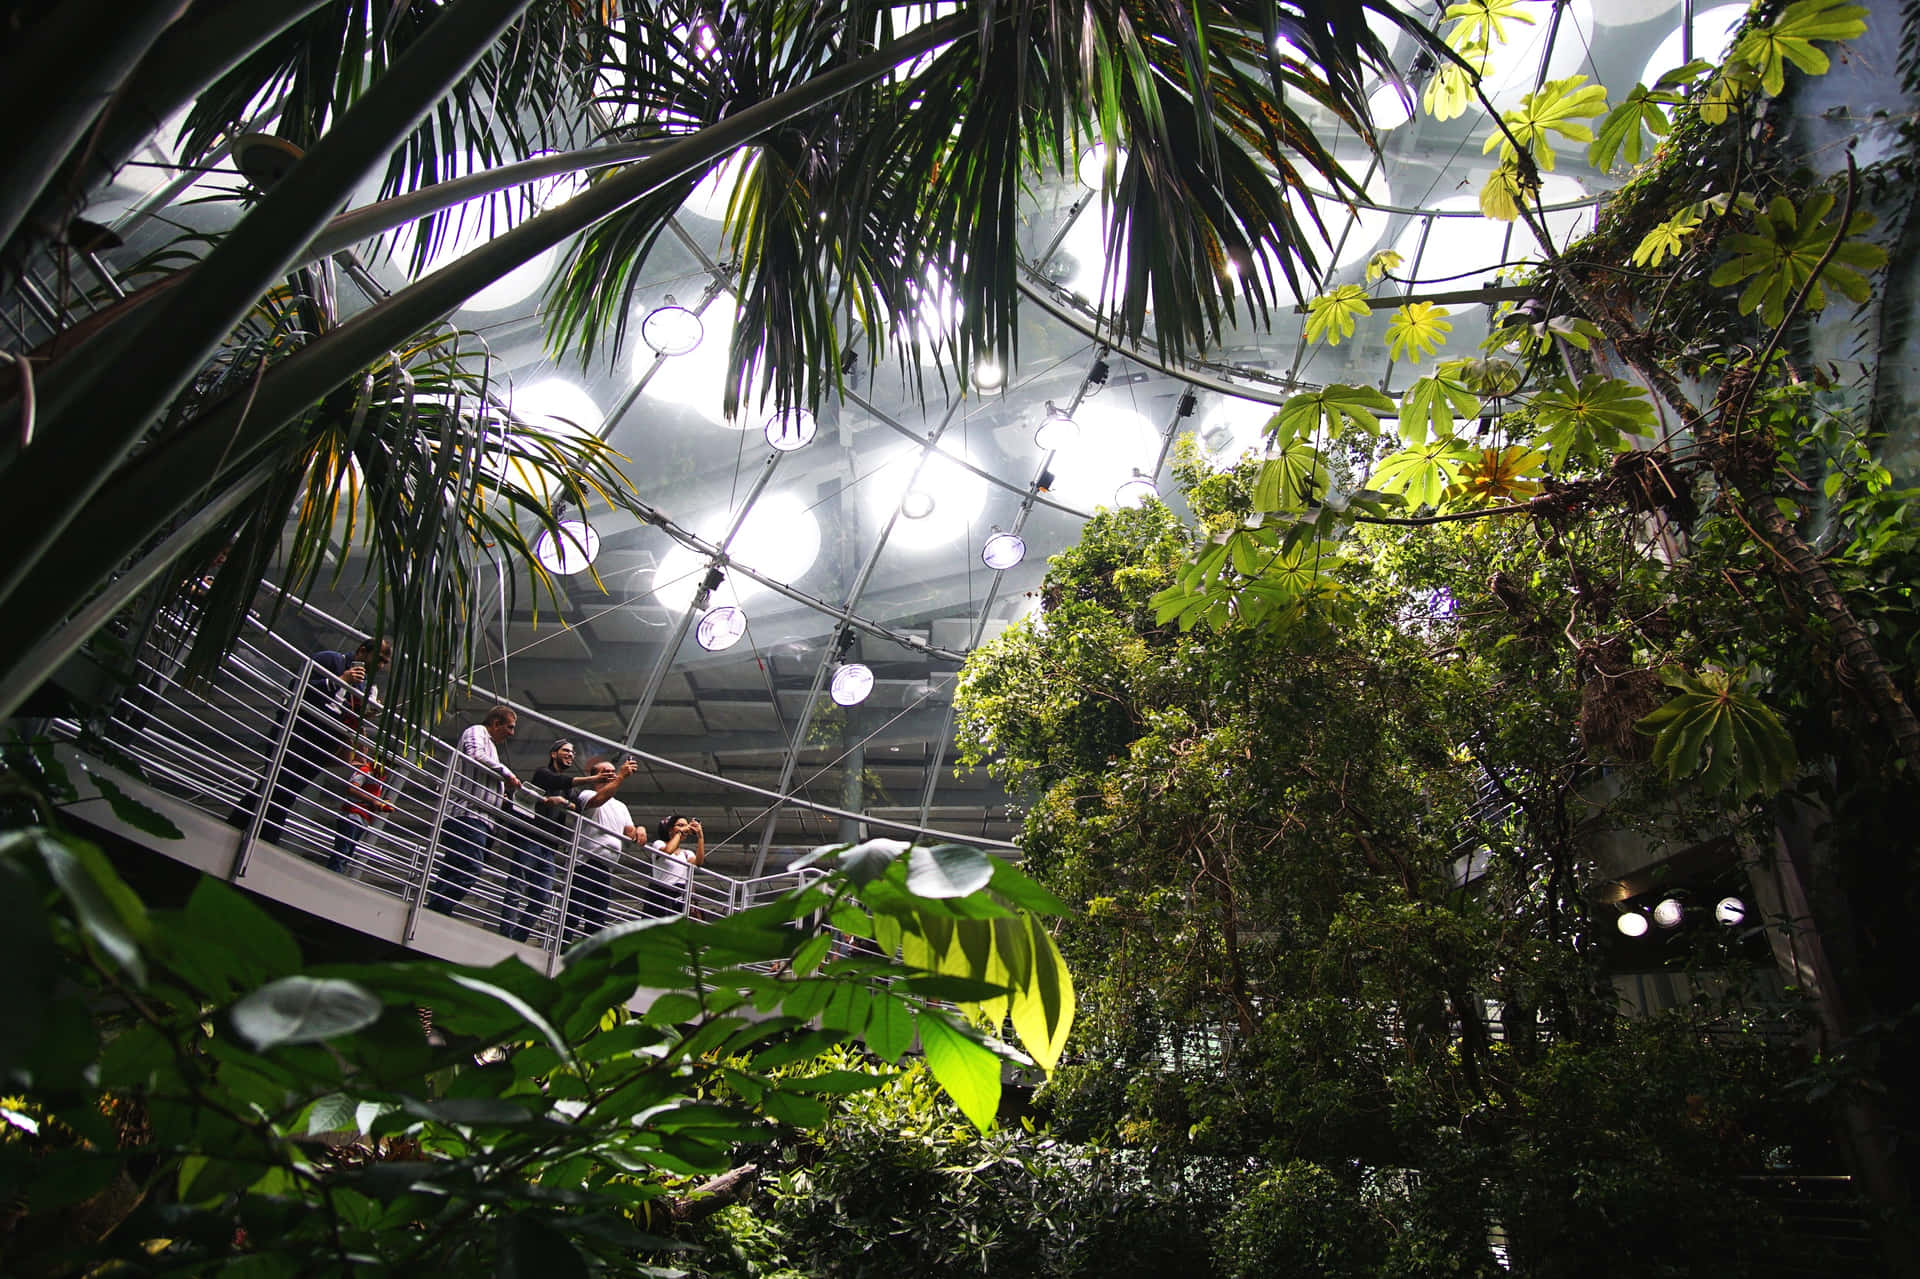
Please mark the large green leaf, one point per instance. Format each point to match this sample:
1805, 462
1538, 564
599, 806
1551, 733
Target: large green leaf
1779, 255
1591, 419
1332, 408
967, 1069
304, 1010
948, 870
1732, 739
1769, 46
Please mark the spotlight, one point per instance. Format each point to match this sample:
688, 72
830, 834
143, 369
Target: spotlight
1632, 923
1389, 106
1003, 550
917, 504
988, 375
1092, 169
1669, 913
1057, 431
671, 329
1730, 911
721, 629
1137, 491
791, 429
571, 551
852, 683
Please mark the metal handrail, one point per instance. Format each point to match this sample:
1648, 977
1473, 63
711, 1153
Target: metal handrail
251, 731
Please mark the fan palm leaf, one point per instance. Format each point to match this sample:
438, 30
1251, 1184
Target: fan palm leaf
896, 207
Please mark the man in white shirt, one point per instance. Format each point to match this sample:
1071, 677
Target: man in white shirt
608, 824
479, 787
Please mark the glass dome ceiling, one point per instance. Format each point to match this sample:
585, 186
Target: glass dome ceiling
864, 543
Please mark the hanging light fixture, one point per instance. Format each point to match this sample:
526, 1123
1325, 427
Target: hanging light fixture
567, 548
1730, 911
671, 329
852, 683
1632, 924
917, 504
1003, 550
987, 374
1137, 491
1669, 913
721, 628
791, 429
1057, 430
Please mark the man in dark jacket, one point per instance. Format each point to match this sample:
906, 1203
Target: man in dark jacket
533, 852
335, 687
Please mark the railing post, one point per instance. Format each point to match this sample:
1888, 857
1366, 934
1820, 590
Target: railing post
243, 854
417, 898
559, 939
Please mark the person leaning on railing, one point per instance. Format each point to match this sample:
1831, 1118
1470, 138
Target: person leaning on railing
535, 851
608, 823
479, 788
335, 687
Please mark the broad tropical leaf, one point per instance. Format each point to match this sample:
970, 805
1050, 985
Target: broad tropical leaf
1497, 476
1779, 255
1590, 419
1729, 736
1293, 478
1421, 474
1331, 316
1383, 264
1667, 239
1557, 106
1433, 403
1768, 47
1623, 133
1416, 330
1332, 408
1484, 21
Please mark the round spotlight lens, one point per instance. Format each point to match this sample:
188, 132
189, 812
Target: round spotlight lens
1669, 913
569, 553
1632, 924
721, 628
916, 505
1730, 911
1137, 491
988, 375
1092, 169
1388, 106
671, 329
791, 429
1057, 432
852, 683
1003, 551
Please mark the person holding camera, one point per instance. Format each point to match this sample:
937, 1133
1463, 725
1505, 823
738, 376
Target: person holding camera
331, 696
609, 822
679, 845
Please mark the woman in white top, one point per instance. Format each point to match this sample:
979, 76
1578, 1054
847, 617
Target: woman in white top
672, 857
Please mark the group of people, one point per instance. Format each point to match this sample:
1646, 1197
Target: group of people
483, 786
334, 698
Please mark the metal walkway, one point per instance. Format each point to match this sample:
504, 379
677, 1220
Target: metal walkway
204, 754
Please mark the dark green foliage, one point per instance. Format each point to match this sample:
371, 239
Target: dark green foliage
185, 1097
1279, 976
